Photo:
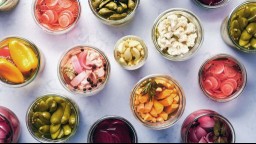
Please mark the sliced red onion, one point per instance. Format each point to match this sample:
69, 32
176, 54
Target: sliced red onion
82, 59
206, 122
189, 119
209, 137
78, 79
200, 132
76, 64
202, 140
192, 136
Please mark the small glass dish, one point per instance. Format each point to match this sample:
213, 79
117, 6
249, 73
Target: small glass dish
140, 47
113, 121
119, 22
222, 78
10, 126
192, 19
84, 70
236, 36
219, 4
52, 118
50, 12
4, 45
8, 5
207, 126
162, 113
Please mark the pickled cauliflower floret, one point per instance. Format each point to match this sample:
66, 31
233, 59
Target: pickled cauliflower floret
177, 35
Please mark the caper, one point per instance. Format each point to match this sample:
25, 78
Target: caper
251, 28
243, 22
253, 43
111, 6
105, 12
245, 36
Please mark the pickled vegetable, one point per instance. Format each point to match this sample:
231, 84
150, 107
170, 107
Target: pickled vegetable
243, 26
112, 9
18, 61
53, 118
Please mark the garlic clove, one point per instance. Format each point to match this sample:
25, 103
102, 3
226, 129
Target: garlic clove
128, 54
121, 48
135, 53
122, 61
139, 47
133, 43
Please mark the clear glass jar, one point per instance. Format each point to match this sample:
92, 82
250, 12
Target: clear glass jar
7, 5
120, 22
172, 117
207, 124
235, 94
58, 100
39, 55
226, 29
217, 5
10, 124
58, 31
192, 18
133, 133
144, 49
88, 92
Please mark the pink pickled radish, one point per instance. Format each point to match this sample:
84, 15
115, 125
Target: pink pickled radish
14, 121
50, 15
192, 135
200, 132
64, 21
230, 71
217, 68
69, 14
208, 84
45, 18
100, 72
51, 3
206, 122
65, 3
214, 81
227, 89
232, 82
202, 140
78, 79
76, 64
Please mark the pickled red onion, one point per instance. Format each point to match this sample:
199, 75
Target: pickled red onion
76, 64
206, 122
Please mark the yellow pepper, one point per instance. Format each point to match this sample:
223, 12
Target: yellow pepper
23, 56
10, 72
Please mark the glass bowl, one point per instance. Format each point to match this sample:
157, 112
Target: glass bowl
94, 73
8, 5
229, 28
217, 5
143, 50
162, 114
57, 30
193, 19
32, 77
223, 76
123, 21
207, 121
10, 124
106, 119
44, 120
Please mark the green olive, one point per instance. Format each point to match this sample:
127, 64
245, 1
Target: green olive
55, 135
66, 115
67, 130
59, 100
243, 43
119, 9
38, 123
236, 33
252, 17
235, 24
247, 12
72, 119
96, 3
131, 4
243, 22
245, 36
61, 135
247, 46
52, 104
105, 12
124, 5
253, 43
251, 28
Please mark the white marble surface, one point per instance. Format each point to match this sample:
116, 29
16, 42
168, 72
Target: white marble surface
114, 100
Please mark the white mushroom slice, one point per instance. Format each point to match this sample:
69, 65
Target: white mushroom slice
128, 54
121, 48
135, 53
